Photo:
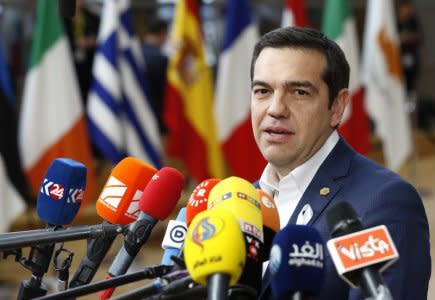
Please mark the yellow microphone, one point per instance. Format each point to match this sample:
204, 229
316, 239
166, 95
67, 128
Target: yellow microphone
214, 251
242, 199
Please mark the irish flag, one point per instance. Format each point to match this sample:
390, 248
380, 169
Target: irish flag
52, 120
339, 25
188, 108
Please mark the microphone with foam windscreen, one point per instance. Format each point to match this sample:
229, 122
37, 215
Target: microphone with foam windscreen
242, 199
271, 224
58, 202
156, 203
215, 251
117, 204
296, 263
199, 198
359, 255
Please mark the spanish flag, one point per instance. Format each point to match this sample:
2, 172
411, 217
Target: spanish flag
188, 108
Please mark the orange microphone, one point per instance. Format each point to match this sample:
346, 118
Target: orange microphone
271, 224
117, 204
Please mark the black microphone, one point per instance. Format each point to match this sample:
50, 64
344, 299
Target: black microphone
67, 8
359, 255
37, 237
166, 186
147, 273
125, 184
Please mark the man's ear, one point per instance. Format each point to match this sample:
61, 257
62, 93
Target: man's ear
338, 107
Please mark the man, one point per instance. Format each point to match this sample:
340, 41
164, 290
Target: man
299, 92
156, 64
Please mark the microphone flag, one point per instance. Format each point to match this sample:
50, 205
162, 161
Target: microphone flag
372, 246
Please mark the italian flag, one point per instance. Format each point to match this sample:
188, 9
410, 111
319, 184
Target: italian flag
339, 25
52, 120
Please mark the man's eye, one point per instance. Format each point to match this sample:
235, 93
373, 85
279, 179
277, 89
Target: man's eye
301, 92
261, 91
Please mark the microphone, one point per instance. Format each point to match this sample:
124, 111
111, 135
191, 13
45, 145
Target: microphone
172, 243
359, 255
242, 199
210, 259
199, 198
164, 188
57, 204
117, 204
147, 273
176, 281
42, 236
67, 8
62, 192
271, 223
296, 263
173, 240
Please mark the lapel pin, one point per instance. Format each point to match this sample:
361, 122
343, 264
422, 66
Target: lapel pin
305, 215
324, 191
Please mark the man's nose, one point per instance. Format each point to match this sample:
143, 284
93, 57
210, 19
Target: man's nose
278, 107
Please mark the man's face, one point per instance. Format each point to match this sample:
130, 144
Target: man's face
289, 106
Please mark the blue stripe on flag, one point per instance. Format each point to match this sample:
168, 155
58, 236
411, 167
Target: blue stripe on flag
153, 155
105, 145
108, 49
127, 23
139, 73
238, 17
105, 96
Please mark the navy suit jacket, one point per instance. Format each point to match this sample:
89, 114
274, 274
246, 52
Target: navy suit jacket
379, 197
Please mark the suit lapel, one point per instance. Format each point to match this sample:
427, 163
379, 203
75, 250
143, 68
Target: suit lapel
326, 183
322, 189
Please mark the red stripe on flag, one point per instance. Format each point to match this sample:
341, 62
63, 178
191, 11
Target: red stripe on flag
242, 154
356, 129
183, 142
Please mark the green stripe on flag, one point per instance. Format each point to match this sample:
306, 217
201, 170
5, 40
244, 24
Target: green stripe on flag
335, 14
48, 30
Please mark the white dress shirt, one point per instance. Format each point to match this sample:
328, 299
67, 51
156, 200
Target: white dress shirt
288, 191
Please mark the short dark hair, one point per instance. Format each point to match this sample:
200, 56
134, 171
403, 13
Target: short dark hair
336, 74
155, 25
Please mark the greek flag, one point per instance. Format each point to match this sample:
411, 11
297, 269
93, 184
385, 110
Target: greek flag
121, 120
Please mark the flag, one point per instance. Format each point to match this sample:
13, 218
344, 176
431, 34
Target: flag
339, 25
5, 83
121, 120
11, 202
12, 181
188, 107
232, 98
294, 14
384, 82
52, 121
